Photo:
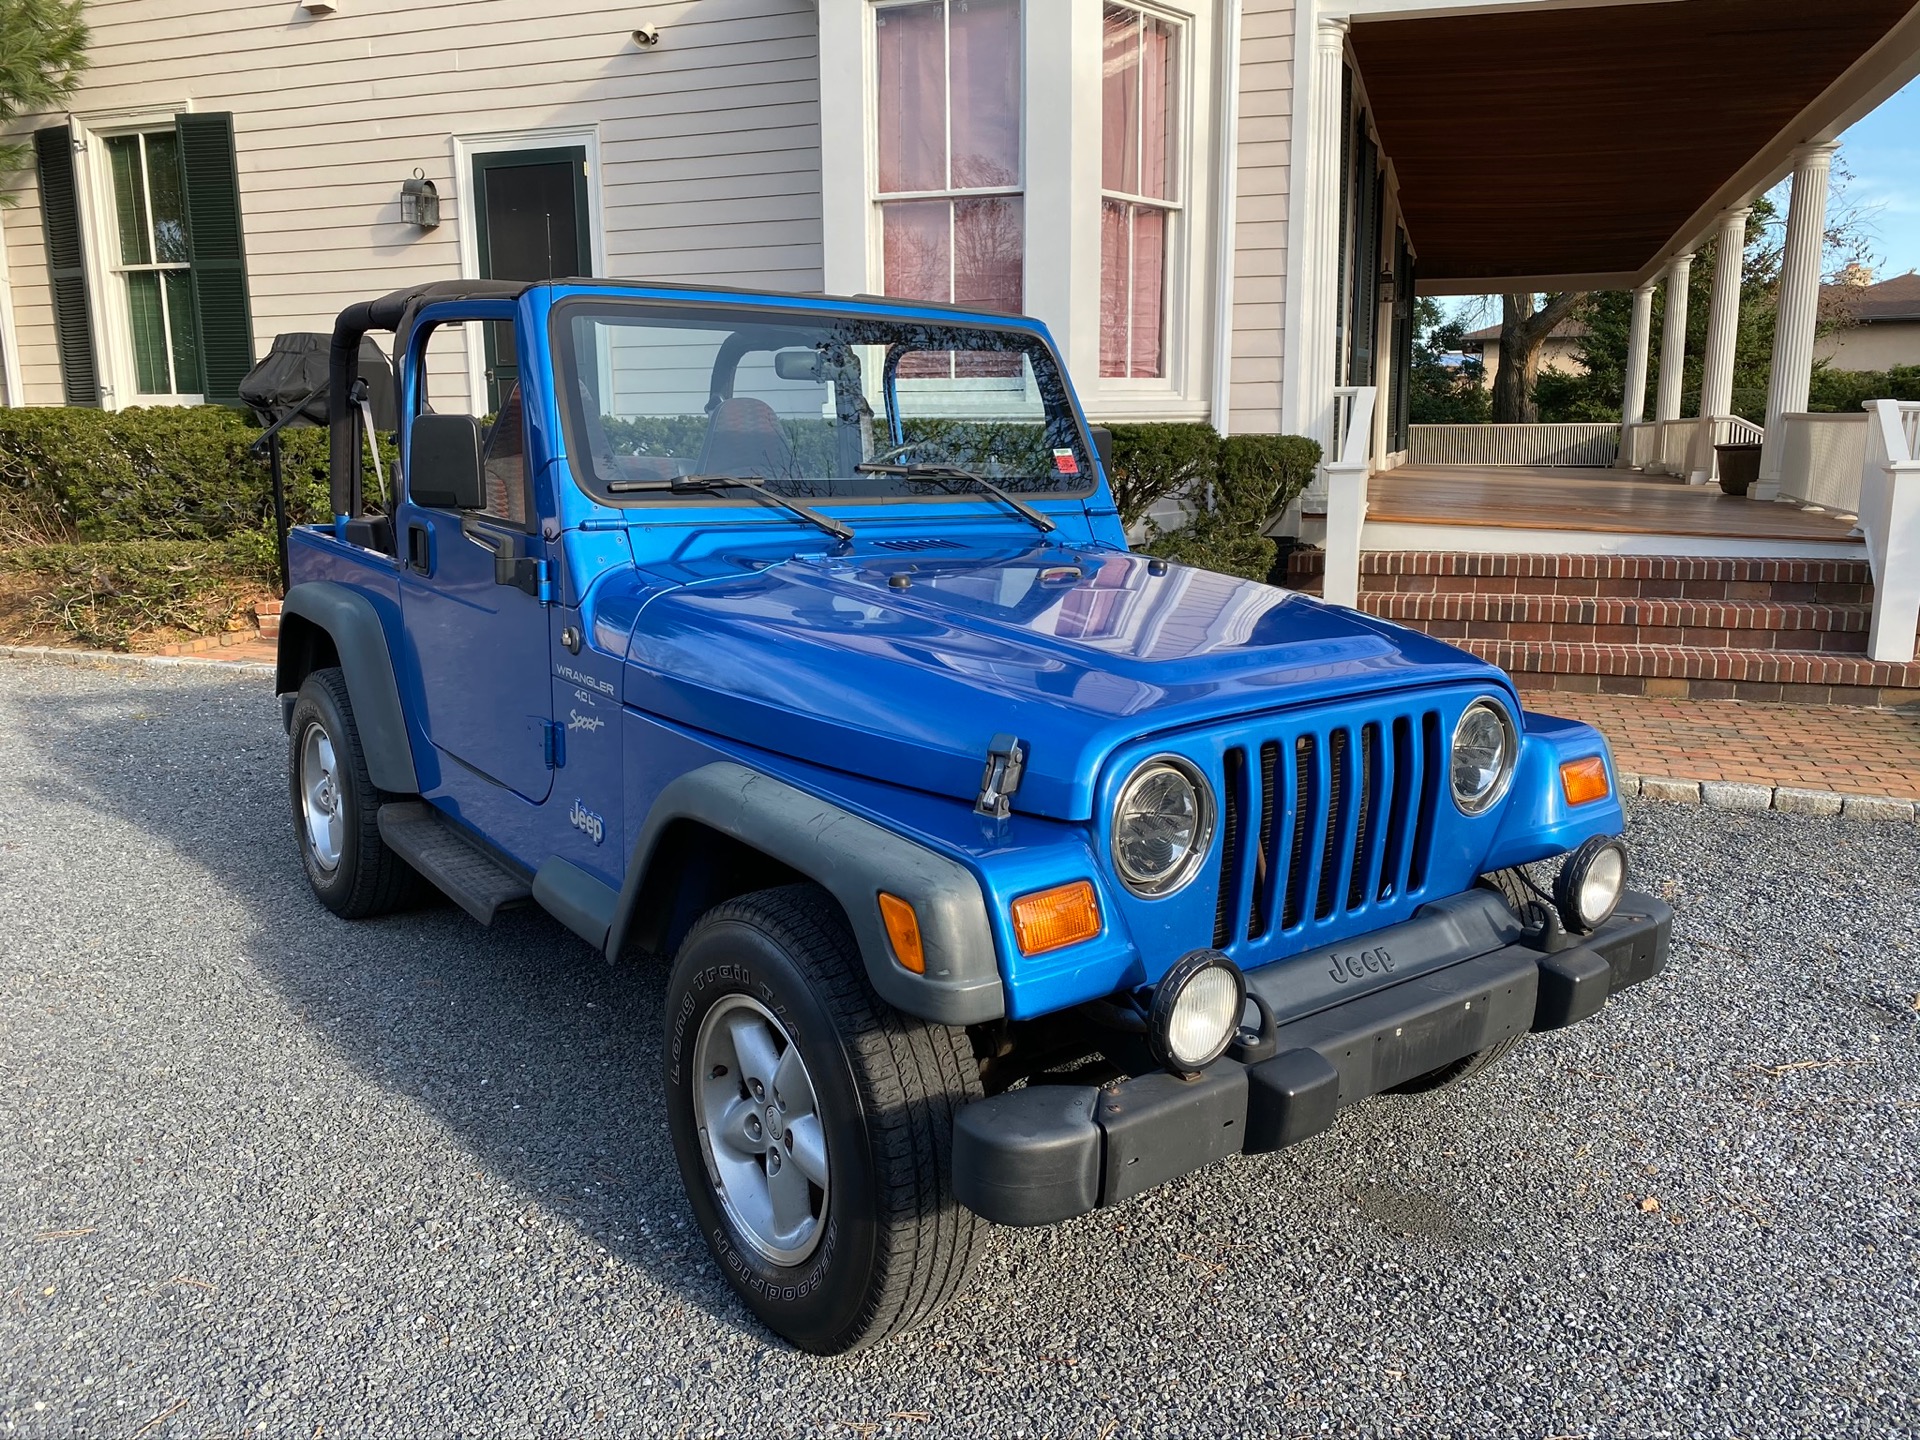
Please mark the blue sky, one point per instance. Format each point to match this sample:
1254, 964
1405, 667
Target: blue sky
1883, 154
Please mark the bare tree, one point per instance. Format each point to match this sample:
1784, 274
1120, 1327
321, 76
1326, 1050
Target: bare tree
1523, 334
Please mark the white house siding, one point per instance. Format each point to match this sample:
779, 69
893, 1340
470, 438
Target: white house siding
1260, 220
1878, 346
708, 143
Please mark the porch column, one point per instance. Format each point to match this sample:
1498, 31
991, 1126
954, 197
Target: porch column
1723, 328
1633, 402
1799, 305
1673, 339
1307, 402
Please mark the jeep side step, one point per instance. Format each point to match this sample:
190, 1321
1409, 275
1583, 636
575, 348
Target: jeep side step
471, 877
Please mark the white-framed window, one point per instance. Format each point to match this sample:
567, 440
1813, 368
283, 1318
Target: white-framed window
948, 123
148, 257
1142, 109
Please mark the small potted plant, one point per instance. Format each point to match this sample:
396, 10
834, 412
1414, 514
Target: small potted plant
1739, 467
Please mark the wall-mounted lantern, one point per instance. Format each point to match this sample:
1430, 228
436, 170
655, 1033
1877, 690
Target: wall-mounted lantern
420, 201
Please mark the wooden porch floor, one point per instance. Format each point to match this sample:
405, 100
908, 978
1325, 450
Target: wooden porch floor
1617, 502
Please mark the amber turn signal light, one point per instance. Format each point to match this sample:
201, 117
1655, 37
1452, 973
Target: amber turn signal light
1052, 919
1584, 780
903, 930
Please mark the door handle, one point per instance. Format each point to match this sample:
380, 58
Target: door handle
509, 568
420, 547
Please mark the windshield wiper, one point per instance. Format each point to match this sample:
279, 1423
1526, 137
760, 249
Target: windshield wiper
697, 484
954, 472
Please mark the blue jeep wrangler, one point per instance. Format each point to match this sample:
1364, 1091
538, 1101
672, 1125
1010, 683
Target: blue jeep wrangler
996, 873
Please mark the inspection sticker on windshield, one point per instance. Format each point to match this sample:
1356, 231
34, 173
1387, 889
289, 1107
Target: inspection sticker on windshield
1064, 463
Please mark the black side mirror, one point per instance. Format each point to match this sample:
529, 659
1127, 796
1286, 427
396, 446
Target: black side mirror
443, 463
1103, 447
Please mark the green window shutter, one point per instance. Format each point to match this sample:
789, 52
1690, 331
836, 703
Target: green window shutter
66, 264
221, 313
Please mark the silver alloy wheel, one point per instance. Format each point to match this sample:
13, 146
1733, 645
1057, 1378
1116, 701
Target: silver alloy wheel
320, 797
760, 1130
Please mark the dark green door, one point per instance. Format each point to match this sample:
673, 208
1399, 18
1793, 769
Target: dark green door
531, 208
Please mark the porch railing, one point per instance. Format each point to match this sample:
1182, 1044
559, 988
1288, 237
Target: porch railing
1685, 447
1347, 474
1640, 445
1822, 457
1492, 445
1890, 520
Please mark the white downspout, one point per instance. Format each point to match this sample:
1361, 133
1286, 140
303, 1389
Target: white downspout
1227, 251
12, 383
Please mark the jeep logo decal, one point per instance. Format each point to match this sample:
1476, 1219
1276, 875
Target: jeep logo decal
590, 824
1358, 967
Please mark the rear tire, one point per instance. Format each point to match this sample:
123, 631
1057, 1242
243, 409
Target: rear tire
856, 1098
336, 807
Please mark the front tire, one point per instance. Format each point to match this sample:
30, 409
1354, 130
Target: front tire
336, 806
813, 1125
1512, 886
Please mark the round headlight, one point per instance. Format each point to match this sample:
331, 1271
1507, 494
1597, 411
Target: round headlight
1484, 750
1590, 884
1196, 1010
1162, 826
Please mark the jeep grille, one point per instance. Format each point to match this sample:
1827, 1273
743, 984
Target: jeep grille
1340, 817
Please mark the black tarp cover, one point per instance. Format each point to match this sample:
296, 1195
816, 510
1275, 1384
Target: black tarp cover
296, 366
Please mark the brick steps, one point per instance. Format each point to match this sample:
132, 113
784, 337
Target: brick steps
1648, 577
1675, 626
1738, 624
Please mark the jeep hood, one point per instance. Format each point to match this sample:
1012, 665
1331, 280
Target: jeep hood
903, 668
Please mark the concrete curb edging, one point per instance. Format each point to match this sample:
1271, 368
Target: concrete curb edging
1787, 799
114, 657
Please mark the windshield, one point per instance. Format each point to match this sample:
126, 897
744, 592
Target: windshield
811, 406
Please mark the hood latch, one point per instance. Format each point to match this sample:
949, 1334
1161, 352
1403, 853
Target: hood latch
1006, 762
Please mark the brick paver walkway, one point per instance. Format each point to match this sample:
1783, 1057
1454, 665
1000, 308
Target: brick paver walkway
1812, 747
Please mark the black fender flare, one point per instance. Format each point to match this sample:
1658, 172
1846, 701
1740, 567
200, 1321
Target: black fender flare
353, 625
853, 859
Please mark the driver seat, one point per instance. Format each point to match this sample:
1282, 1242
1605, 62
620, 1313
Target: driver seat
745, 437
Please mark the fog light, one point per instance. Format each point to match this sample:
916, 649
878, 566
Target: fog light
1196, 1010
1590, 883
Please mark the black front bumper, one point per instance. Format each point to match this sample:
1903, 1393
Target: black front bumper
1046, 1153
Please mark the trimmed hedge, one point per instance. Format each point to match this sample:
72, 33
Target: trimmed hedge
104, 593
159, 473
1255, 477
1154, 462
1845, 391
159, 518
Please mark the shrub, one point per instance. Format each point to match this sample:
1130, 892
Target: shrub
1846, 391
103, 593
1152, 462
165, 473
1258, 477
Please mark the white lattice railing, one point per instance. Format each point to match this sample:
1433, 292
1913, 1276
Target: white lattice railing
1580, 444
1685, 447
1822, 458
1347, 474
1673, 446
1890, 520
1639, 445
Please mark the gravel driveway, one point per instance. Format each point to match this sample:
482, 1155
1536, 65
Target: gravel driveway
265, 1171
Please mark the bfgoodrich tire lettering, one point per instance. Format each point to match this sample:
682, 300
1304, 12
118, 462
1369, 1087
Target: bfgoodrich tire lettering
336, 807
894, 1245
